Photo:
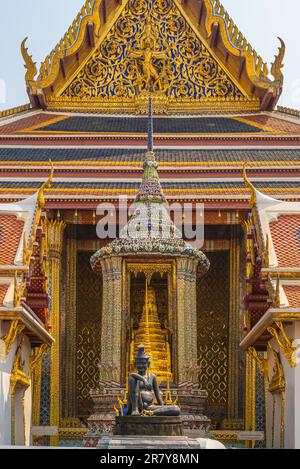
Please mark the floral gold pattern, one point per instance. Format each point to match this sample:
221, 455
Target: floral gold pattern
169, 53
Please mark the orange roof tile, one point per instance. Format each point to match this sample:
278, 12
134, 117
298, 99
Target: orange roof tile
281, 125
3, 291
293, 295
285, 234
10, 236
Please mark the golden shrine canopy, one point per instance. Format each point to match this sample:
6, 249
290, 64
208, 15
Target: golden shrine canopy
190, 52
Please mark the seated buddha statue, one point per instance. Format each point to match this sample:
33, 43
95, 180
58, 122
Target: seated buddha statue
143, 386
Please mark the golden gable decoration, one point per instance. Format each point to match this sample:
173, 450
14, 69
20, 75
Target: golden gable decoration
118, 50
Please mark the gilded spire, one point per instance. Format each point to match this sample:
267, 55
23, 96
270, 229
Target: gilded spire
150, 189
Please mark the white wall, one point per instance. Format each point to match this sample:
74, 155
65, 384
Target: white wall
292, 398
297, 393
5, 399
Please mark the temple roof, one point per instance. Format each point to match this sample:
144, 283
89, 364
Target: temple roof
276, 224
23, 280
204, 166
100, 62
132, 157
254, 126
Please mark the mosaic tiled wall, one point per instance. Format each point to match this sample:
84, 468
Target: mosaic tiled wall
259, 404
89, 306
45, 391
213, 333
45, 378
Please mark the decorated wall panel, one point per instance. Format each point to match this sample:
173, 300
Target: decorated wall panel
165, 52
213, 333
88, 337
260, 420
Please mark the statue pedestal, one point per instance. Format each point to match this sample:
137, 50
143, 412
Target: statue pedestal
155, 426
102, 421
191, 400
158, 443
148, 442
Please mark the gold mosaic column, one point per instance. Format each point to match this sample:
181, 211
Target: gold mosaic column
71, 274
191, 312
111, 313
186, 314
234, 321
36, 394
35, 369
55, 242
250, 396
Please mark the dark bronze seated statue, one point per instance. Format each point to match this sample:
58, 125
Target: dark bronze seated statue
142, 386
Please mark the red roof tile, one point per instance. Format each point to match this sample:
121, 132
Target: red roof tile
285, 234
10, 236
293, 295
26, 123
275, 124
3, 291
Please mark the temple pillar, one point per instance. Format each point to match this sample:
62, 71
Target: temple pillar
55, 243
234, 330
70, 327
111, 314
186, 315
35, 368
250, 420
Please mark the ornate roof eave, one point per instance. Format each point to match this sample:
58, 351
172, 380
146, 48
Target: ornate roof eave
92, 23
30, 210
84, 29
258, 335
238, 45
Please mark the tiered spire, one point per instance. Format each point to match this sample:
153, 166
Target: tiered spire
150, 230
150, 189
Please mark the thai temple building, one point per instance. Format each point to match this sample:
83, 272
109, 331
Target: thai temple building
149, 120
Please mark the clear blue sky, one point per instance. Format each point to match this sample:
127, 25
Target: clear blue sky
46, 21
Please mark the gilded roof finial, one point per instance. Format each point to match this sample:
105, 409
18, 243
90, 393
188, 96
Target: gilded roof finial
277, 65
249, 184
30, 65
46, 185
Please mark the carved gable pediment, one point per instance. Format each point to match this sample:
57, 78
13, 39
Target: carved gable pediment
156, 47
108, 61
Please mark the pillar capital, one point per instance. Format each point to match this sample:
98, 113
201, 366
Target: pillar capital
55, 231
187, 268
112, 267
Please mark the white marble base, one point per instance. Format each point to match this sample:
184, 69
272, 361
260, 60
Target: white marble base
157, 442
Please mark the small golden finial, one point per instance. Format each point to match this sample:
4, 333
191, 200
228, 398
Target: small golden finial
45, 186
249, 184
